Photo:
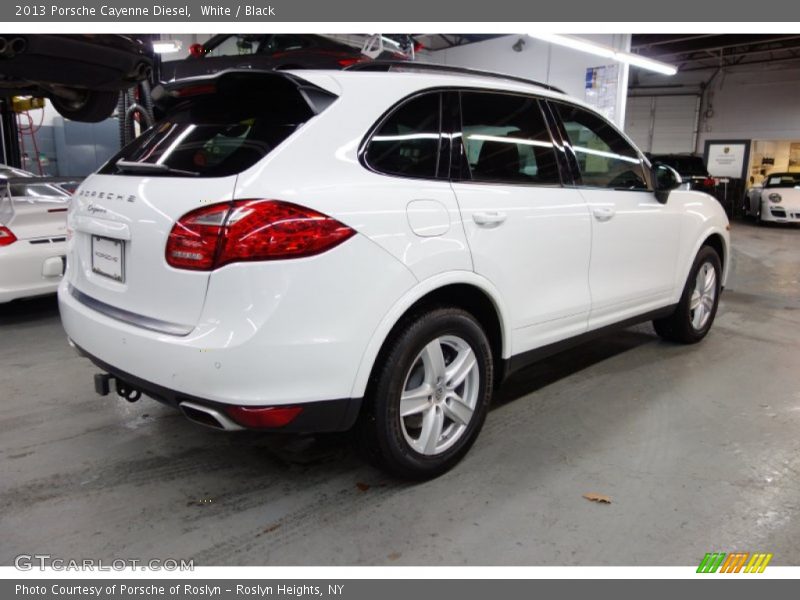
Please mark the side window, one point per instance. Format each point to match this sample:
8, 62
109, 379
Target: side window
506, 139
236, 45
605, 158
407, 143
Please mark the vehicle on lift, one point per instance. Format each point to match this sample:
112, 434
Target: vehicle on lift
81, 75
267, 51
775, 200
690, 167
33, 235
320, 250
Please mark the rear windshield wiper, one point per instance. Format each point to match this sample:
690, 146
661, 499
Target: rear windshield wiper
127, 166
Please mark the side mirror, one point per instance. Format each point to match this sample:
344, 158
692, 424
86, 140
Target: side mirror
666, 179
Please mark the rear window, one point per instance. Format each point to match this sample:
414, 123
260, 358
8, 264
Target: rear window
221, 133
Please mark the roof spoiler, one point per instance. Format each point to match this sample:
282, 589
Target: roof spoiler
231, 81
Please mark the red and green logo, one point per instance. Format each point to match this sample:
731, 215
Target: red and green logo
735, 562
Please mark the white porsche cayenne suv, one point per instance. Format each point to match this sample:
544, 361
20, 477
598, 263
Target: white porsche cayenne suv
379, 248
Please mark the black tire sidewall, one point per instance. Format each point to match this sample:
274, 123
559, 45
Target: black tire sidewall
398, 455
683, 314
98, 106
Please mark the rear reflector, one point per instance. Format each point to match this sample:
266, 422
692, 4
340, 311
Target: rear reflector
250, 230
261, 417
6, 236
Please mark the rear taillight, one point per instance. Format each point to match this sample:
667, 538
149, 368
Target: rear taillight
347, 62
250, 230
709, 182
6, 236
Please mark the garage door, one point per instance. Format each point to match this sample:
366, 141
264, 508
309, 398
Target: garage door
662, 124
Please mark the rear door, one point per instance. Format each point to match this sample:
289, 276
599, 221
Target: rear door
529, 235
122, 217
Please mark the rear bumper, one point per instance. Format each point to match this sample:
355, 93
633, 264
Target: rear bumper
315, 417
22, 269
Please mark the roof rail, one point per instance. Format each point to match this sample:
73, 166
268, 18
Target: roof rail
401, 65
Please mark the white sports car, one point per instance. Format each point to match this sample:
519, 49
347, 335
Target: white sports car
33, 235
776, 200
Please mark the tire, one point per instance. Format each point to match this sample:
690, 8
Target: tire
697, 307
93, 107
410, 362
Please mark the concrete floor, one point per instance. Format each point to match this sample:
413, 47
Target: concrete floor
697, 446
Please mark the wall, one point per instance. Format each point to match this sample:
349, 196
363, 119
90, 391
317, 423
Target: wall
562, 67
751, 102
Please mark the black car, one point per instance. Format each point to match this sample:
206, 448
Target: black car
690, 167
266, 51
81, 75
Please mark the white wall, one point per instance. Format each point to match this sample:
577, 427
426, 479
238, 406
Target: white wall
755, 102
556, 65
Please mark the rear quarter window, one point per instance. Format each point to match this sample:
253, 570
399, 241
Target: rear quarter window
407, 142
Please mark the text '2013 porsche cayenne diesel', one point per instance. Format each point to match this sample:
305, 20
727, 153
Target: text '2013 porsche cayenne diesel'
316, 251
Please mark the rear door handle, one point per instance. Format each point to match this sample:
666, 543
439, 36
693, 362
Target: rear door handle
603, 213
489, 219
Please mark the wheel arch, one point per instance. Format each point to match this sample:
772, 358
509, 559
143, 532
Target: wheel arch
717, 242
472, 293
718, 239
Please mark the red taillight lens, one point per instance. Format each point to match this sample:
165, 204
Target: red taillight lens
197, 50
346, 62
259, 417
6, 236
201, 89
709, 182
250, 230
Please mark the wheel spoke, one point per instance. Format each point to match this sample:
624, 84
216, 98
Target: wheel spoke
460, 368
416, 400
457, 410
696, 299
699, 316
433, 358
432, 426
710, 281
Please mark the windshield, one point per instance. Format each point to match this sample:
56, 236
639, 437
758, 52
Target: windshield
782, 180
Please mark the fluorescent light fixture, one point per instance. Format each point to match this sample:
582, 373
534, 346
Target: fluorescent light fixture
166, 46
627, 58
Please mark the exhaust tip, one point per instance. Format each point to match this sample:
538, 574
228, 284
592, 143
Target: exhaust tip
19, 45
203, 415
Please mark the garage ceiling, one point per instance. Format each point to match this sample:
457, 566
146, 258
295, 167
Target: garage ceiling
695, 52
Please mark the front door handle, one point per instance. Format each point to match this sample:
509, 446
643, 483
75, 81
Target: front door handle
489, 219
603, 213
